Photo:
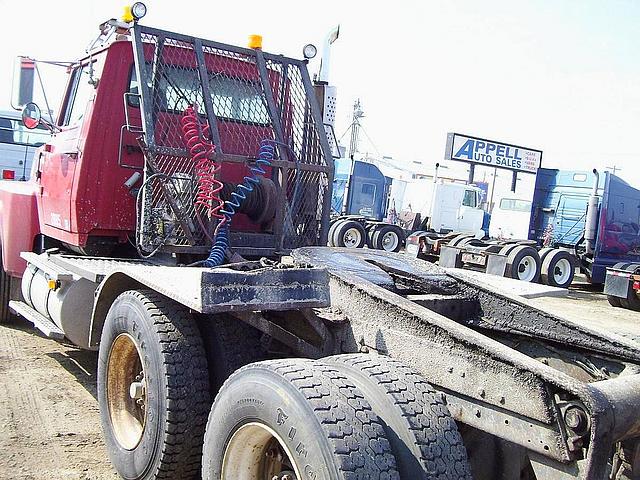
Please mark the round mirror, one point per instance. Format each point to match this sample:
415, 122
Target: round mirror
31, 115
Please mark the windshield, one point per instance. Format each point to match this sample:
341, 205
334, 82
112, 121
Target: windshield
12, 131
515, 205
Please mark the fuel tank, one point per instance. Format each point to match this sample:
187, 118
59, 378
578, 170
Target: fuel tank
68, 304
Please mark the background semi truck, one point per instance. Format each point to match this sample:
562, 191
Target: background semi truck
583, 219
372, 209
229, 345
18, 146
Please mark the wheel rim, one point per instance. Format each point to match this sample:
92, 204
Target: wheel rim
527, 268
562, 271
390, 241
256, 452
126, 396
351, 239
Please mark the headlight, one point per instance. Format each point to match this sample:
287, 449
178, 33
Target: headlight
309, 51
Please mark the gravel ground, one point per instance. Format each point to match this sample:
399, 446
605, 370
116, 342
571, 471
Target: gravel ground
49, 420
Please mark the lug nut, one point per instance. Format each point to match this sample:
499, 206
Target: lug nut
577, 420
136, 390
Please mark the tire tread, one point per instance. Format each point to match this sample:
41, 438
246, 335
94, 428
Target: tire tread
442, 453
188, 398
352, 428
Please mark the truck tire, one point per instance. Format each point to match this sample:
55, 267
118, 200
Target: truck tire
423, 436
5, 293
301, 415
543, 252
387, 238
523, 263
230, 344
459, 238
632, 300
614, 301
153, 387
349, 234
332, 230
557, 269
371, 231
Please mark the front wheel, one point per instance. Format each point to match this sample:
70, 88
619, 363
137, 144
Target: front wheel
153, 388
294, 418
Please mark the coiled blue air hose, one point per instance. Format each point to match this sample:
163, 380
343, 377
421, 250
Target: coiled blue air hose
221, 243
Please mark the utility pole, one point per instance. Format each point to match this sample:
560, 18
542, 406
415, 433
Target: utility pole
613, 169
358, 113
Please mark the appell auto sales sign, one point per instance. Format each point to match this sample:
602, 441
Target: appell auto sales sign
492, 154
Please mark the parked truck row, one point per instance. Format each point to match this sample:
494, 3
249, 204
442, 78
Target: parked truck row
174, 226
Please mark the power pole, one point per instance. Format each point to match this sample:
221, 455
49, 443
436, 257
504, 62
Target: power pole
358, 113
613, 169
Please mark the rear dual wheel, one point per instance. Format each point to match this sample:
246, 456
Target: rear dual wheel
387, 238
348, 234
557, 268
523, 263
350, 416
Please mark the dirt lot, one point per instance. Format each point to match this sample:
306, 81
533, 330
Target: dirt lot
49, 423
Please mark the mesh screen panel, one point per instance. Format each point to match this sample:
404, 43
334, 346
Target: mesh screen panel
245, 96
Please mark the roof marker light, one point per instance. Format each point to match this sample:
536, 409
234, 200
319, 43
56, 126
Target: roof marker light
255, 42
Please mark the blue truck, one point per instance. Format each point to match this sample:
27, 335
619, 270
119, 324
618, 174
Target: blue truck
582, 219
595, 215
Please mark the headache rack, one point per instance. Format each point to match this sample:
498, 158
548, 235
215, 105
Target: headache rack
246, 96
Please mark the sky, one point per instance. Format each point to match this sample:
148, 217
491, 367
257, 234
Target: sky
559, 76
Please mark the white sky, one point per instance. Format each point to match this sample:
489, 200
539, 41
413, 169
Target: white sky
559, 76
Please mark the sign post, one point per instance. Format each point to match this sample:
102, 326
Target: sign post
480, 151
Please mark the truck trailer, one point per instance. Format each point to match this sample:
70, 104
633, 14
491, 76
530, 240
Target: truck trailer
578, 219
172, 226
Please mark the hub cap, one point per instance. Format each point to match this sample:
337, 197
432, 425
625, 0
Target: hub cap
126, 392
256, 452
562, 271
390, 241
351, 239
527, 268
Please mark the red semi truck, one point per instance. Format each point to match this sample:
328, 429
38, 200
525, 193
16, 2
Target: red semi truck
171, 223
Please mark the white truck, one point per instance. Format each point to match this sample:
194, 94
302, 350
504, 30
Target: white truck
423, 204
18, 145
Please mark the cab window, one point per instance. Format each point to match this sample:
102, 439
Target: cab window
368, 197
81, 93
232, 98
515, 205
470, 199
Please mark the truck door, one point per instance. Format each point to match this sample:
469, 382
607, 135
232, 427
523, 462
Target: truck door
59, 167
569, 221
470, 214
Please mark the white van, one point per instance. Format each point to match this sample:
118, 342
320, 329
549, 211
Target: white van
510, 219
18, 145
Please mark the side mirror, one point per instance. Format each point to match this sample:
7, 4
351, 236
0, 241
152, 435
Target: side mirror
31, 115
